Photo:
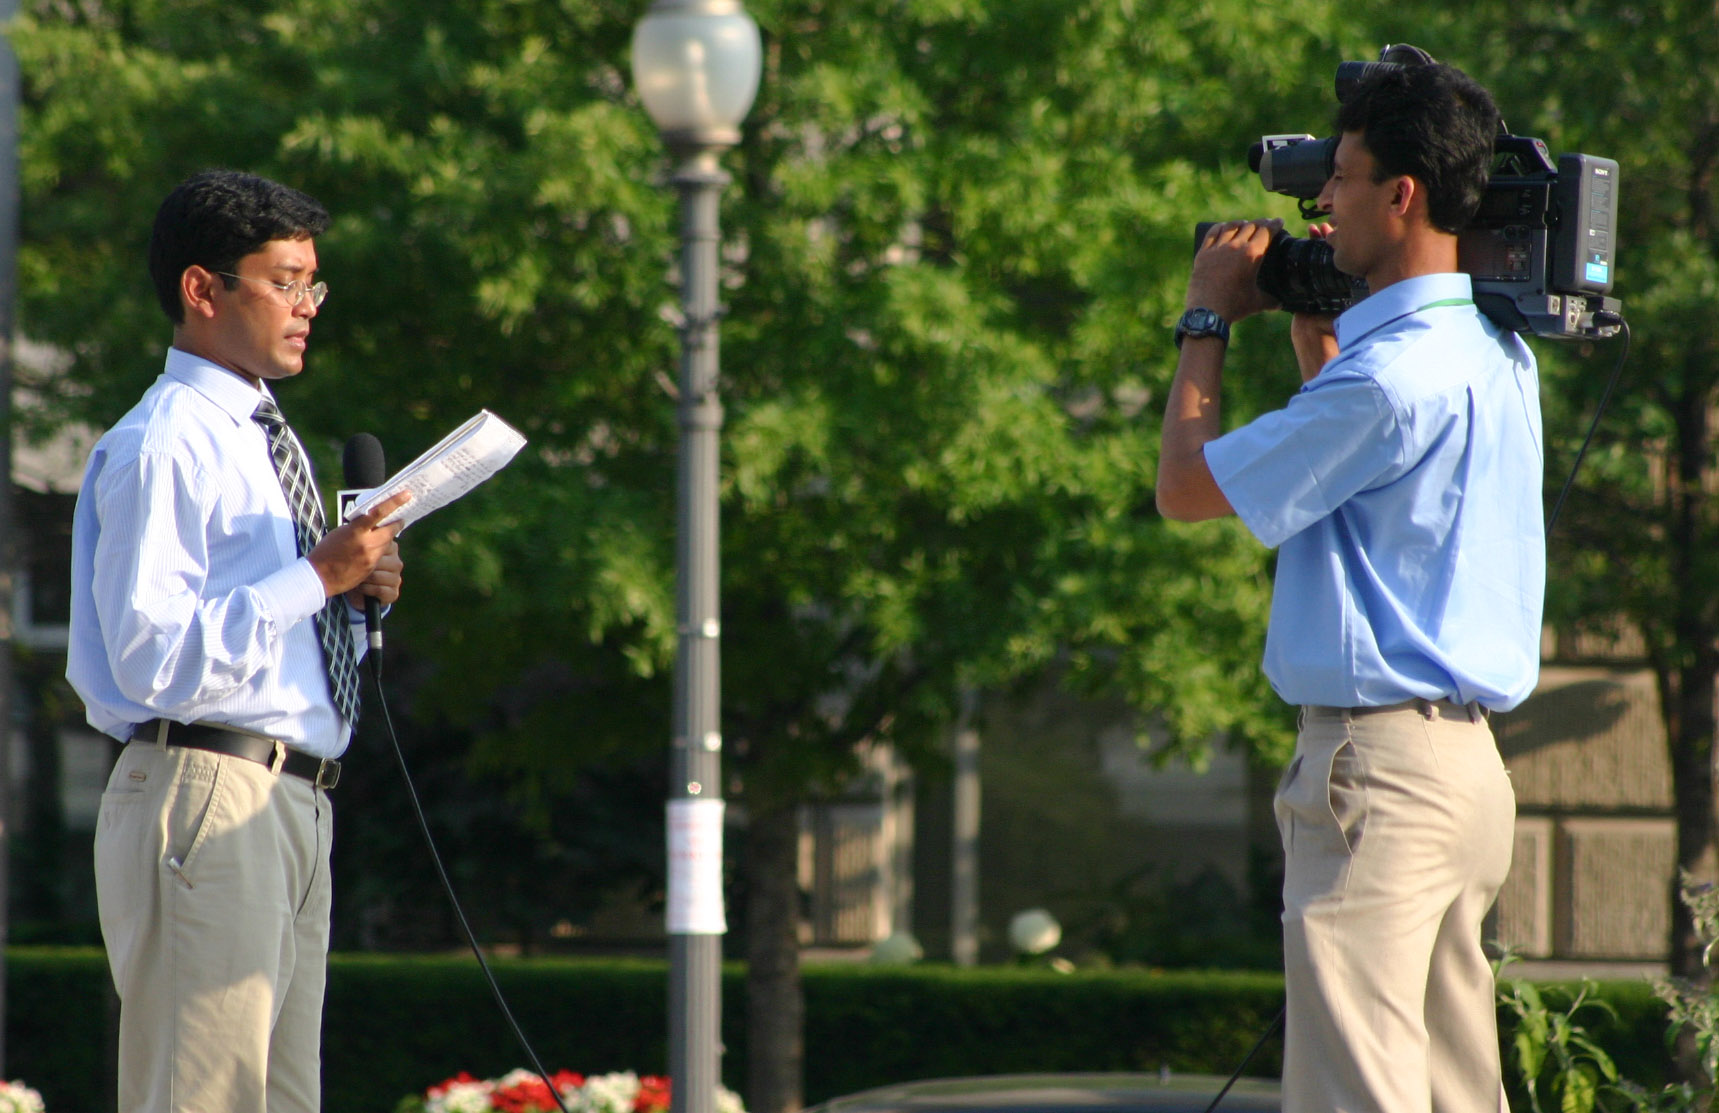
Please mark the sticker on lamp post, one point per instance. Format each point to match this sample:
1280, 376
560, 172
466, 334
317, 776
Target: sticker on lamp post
695, 868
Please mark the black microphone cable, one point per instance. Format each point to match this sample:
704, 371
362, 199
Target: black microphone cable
365, 468
375, 660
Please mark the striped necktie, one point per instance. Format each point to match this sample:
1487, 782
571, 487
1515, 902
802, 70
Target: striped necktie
307, 525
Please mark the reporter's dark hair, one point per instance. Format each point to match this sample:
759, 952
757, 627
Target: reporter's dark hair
214, 219
1432, 122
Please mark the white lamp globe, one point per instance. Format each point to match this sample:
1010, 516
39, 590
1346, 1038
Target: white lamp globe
696, 66
898, 949
1034, 931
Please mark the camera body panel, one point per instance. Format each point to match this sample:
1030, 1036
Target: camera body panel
1540, 250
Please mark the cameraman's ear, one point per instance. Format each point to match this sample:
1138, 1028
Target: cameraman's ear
1406, 192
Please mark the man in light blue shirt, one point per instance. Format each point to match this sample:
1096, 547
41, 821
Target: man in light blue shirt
212, 630
1401, 487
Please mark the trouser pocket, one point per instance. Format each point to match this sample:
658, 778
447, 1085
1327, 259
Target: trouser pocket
197, 797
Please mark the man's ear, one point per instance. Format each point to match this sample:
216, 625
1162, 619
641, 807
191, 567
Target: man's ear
196, 291
1406, 192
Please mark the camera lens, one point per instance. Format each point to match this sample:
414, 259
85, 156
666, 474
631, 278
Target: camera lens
1303, 276
1299, 168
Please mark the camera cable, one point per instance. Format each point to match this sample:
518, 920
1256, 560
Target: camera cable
1599, 411
1270, 1031
374, 658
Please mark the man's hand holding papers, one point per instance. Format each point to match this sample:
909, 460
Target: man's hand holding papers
460, 461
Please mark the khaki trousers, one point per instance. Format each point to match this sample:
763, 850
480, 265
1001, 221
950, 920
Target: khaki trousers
213, 890
1397, 831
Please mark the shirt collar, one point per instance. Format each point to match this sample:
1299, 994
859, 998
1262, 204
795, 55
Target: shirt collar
232, 394
1399, 299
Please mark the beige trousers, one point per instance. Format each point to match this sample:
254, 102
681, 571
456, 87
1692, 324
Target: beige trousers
213, 890
1397, 831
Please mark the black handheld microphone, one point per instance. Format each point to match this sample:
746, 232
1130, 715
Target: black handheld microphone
365, 468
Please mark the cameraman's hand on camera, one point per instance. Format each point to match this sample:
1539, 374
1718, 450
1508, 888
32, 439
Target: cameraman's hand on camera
1224, 280
1314, 335
1225, 269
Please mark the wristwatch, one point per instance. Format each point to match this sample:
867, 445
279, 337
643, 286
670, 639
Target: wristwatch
1200, 321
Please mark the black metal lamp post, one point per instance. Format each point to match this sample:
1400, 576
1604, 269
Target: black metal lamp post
696, 65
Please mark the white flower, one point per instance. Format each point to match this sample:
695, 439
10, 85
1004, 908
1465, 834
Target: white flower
15, 1097
610, 1093
603, 1093
460, 1097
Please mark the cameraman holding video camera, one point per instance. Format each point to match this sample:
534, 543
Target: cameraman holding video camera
1401, 487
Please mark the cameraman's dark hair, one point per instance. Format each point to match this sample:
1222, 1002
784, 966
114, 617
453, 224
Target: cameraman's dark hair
1432, 122
214, 219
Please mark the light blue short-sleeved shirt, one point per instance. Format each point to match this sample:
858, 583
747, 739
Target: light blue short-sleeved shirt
1401, 486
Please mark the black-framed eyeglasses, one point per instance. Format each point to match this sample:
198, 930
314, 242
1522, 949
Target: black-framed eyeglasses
295, 290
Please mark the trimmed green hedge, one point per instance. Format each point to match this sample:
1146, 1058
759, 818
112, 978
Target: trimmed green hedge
397, 1024
57, 1002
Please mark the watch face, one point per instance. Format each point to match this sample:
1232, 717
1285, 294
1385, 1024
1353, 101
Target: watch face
1200, 322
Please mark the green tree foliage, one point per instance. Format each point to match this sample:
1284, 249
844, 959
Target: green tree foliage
499, 243
954, 241
502, 240
957, 236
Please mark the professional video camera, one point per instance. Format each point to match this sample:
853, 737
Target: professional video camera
1539, 251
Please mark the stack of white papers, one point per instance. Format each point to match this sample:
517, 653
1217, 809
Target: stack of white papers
460, 461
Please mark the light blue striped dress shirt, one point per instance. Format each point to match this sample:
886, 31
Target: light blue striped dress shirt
1401, 487
189, 599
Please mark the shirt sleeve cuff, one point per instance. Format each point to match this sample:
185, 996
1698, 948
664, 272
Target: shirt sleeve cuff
292, 594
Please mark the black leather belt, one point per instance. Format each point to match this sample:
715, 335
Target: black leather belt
1427, 708
278, 756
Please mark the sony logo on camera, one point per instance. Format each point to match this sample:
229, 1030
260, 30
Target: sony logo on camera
1539, 251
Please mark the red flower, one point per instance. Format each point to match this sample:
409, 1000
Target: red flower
653, 1096
441, 1088
527, 1096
